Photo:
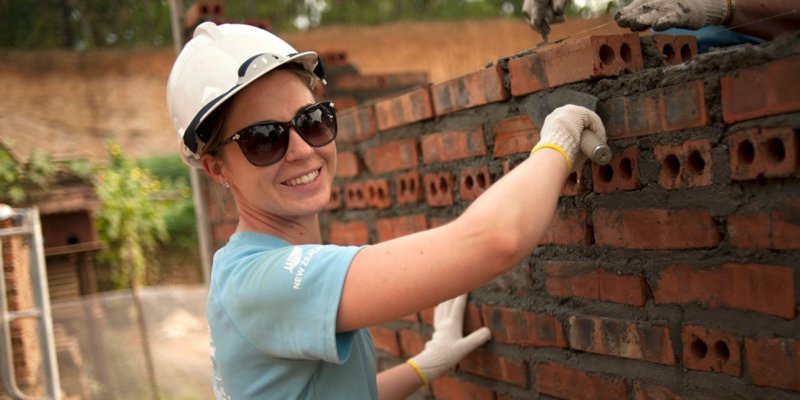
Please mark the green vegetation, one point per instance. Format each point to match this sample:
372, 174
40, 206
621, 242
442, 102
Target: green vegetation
89, 24
129, 221
19, 180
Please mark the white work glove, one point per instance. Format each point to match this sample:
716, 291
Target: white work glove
447, 346
562, 130
539, 14
664, 14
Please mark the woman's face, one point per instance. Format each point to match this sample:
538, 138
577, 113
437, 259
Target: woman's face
299, 184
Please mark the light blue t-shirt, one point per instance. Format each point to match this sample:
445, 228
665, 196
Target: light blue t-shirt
272, 319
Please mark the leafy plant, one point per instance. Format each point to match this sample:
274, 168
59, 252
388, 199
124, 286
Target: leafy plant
18, 179
130, 221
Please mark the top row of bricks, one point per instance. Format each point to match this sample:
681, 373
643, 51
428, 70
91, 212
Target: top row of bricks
582, 59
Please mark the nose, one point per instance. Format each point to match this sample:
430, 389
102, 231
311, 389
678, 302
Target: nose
298, 148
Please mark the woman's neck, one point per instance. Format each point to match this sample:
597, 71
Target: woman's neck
296, 230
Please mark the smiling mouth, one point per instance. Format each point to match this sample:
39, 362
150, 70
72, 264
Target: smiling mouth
303, 180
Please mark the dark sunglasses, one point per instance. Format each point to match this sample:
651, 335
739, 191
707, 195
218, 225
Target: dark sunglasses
265, 143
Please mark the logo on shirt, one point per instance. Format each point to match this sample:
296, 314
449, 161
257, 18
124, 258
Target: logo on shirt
299, 260
294, 259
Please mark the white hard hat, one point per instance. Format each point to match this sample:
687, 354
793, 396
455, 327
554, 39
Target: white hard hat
218, 62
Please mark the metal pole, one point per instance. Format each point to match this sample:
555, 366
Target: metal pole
196, 179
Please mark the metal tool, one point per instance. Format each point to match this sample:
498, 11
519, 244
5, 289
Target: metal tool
540, 104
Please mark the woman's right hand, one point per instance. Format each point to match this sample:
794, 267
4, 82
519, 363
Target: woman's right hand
562, 130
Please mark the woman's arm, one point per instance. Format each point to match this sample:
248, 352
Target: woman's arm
401, 276
398, 382
398, 277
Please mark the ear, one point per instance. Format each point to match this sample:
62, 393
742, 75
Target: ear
212, 166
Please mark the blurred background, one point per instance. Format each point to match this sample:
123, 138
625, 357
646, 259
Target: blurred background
85, 137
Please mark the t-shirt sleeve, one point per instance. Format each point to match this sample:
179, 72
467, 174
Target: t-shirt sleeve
285, 302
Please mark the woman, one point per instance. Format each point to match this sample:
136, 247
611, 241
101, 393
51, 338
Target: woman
287, 315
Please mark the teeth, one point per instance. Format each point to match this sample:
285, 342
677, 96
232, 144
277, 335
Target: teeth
303, 179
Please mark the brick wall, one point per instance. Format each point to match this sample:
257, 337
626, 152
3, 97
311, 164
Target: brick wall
24, 338
670, 273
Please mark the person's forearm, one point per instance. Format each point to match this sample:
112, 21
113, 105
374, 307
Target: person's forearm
761, 17
395, 278
398, 382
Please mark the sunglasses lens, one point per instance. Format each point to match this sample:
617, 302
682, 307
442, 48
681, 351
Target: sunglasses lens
317, 124
264, 144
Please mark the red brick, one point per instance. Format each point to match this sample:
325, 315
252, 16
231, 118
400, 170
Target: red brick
426, 316
344, 102
356, 124
408, 188
776, 228
411, 342
774, 362
347, 165
334, 58
355, 195
761, 288
620, 174
390, 228
385, 340
764, 152
377, 193
439, 189
392, 156
568, 227
201, 11
336, 201
565, 279
453, 145
468, 91
643, 391
621, 338
524, 328
514, 135
404, 109
377, 81
688, 164
348, 233
472, 318
648, 228
449, 388
706, 349
474, 181
664, 109
576, 182
582, 59
767, 89
484, 363
676, 49
569, 383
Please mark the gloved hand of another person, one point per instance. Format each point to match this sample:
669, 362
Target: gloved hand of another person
539, 14
448, 345
562, 130
664, 14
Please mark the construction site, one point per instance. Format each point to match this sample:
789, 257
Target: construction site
670, 271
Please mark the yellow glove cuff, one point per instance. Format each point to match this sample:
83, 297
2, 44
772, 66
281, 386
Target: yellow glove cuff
418, 371
556, 148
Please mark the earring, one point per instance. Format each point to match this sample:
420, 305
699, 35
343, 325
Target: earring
226, 184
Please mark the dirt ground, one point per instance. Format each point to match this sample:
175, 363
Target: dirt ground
70, 104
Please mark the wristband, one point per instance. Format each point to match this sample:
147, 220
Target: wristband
556, 148
416, 369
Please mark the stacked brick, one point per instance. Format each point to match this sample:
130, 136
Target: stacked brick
672, 272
